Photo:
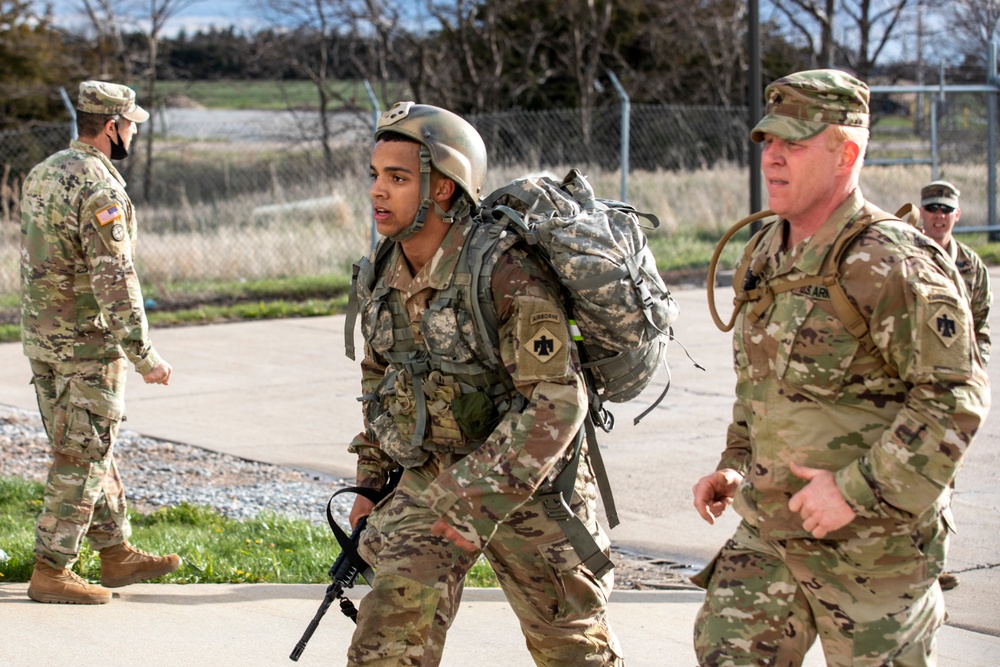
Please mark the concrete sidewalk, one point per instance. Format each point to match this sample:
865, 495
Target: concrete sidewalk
226, 625
282, 392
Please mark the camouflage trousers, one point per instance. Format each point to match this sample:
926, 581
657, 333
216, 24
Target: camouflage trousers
80, 404
419, 578
872, 602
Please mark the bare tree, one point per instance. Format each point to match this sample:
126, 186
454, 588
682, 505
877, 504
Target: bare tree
853, 34
105, 18
714, 32
114, 60
977, 24
486, 55
804, 16
160, 12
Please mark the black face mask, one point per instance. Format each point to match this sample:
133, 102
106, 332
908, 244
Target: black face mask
118, 150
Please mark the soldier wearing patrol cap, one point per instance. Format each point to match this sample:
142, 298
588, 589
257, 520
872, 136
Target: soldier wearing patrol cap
840, 449
82, 323
939, 213
476, 443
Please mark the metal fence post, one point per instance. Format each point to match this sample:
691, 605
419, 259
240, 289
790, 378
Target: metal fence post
376, 112
991, 149
72, 113
626, 114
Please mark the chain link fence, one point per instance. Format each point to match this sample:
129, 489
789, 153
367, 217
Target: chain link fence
243, 195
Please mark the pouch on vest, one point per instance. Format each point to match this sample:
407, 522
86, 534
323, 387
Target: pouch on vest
476, 415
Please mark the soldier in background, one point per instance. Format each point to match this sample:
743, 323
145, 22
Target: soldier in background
939, 212
82, 322
475, 443
840, 452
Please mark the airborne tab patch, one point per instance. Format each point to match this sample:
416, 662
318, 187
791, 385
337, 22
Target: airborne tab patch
546, 317
542, 344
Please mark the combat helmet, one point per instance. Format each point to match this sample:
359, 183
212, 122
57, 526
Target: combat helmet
448, 143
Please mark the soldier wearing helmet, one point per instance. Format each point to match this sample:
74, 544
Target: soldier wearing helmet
475, 443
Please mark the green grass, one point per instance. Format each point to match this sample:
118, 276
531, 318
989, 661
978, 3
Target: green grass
202, 302
215, 549
234, 94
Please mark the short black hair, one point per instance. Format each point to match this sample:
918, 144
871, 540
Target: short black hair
390, 135
92, 124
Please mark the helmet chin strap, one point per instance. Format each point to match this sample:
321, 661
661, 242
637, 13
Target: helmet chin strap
458, 210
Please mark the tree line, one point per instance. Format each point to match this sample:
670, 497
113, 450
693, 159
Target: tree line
484, 55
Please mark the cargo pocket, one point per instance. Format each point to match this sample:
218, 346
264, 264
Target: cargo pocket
85, 422
574, 586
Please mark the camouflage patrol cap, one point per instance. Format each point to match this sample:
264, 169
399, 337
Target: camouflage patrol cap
803, 104
939, 192
110, 98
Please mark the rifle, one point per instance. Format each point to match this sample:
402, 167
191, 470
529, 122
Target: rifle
349, 565
344, 574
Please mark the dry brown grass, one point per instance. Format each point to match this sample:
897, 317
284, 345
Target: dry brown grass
225, 240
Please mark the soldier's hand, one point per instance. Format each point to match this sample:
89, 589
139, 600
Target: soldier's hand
820, 503
714, 493
442, 529
362, 507
159, 375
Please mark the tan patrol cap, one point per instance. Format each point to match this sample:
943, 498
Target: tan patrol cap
939, 192
803, 104
110, 98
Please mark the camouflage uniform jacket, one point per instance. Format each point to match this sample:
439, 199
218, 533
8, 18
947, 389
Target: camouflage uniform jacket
977, 283
480, 490
808, 392
80, 296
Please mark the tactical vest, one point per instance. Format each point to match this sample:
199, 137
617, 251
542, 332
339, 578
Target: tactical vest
446, 390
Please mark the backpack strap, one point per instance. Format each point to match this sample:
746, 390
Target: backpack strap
761, 295
556, 498
363, 269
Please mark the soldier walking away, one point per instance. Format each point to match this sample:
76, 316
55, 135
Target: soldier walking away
476, 442
82, 323
842, 443
939, 212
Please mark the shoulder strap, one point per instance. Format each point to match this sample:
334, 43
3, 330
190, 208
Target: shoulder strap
762, 295
556, 498
362, 268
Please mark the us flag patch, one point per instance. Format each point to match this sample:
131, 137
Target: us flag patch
112, 212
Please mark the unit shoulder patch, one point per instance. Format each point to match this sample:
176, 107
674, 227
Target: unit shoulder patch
542, 345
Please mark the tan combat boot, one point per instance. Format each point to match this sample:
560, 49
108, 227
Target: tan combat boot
64, 586
123, 564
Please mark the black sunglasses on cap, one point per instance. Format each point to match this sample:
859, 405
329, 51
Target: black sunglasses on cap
934, 208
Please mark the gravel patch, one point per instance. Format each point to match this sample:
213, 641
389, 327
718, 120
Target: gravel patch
158, 473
